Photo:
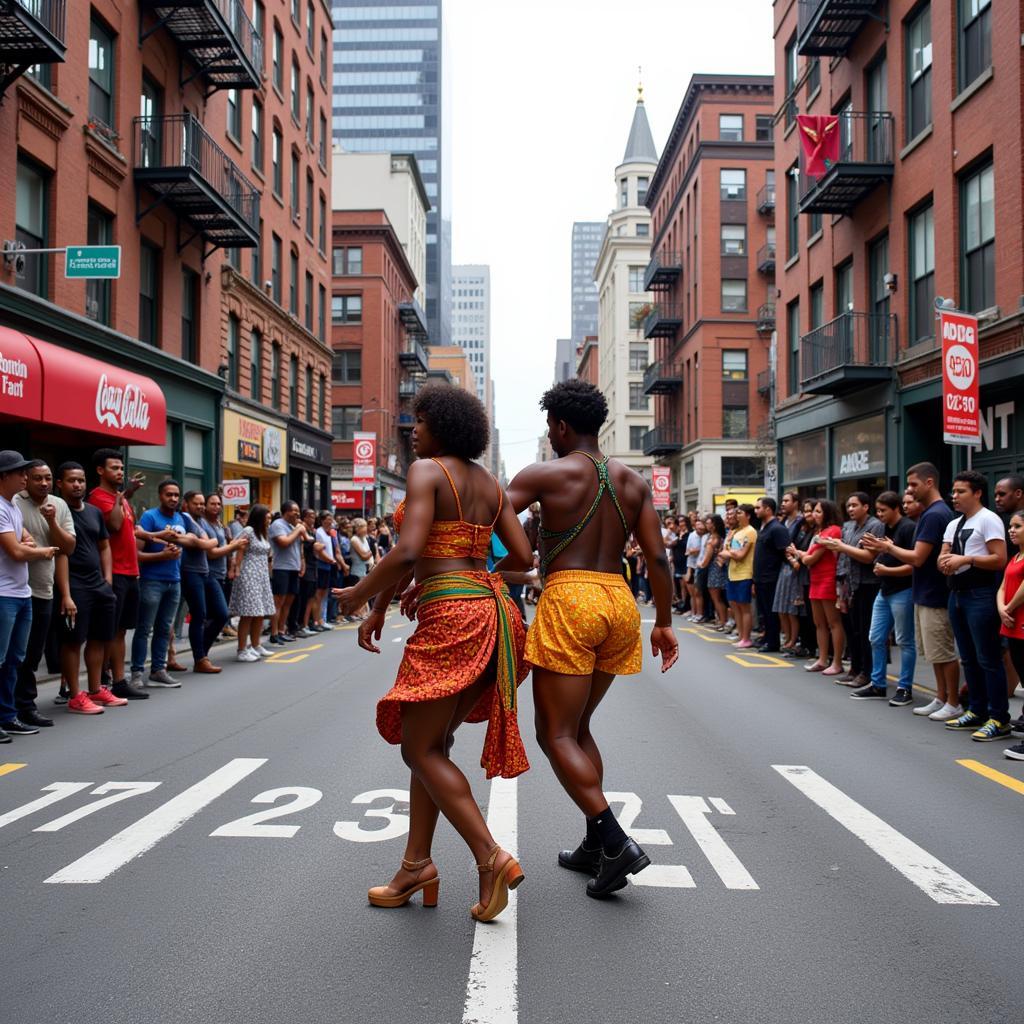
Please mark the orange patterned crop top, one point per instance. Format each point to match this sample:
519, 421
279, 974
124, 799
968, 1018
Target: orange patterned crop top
455, 538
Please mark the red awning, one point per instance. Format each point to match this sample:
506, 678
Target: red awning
349, 498
58, 387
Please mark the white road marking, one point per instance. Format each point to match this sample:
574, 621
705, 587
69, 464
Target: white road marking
720, 805
694, 811
930, 875
492, 990
119, 790
668, 876
56, 791
631, 807
145, 833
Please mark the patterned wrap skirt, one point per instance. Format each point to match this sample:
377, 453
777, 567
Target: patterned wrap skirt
789, 591
464, 620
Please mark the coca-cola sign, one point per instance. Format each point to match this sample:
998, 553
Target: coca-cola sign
121, 407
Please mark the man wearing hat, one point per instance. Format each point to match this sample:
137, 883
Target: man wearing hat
17, 549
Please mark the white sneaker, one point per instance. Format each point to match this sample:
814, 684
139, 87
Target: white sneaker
305, 633
247, 655
946, 712
930, 708
261, 651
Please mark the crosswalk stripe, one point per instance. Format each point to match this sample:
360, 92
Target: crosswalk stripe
928, 873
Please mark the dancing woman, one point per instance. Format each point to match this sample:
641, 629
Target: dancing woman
465, 659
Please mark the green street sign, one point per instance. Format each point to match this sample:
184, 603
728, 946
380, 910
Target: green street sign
92, 261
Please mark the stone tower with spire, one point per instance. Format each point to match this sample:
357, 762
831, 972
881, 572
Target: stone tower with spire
623, 352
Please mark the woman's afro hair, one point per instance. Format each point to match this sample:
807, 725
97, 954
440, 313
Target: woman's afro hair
456, 419
577, 402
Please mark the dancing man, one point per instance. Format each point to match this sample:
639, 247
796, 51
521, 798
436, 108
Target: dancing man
587, 629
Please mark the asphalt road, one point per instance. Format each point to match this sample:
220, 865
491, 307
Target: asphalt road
869, 877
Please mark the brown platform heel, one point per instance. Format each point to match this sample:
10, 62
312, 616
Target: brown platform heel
382, 896
509, 877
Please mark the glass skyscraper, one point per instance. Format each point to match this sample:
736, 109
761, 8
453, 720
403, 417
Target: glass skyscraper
390, 95
586, 247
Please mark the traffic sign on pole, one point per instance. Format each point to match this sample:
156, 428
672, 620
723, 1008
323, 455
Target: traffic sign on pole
88, 261
961, 399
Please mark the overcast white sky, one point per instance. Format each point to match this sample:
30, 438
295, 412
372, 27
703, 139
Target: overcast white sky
543, 97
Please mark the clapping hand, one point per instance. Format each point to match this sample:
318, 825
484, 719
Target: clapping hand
346, 602
410, 601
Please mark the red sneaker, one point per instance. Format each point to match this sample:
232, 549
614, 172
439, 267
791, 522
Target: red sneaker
104, 697
81, 705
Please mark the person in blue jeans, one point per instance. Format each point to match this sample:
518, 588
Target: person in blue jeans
973, 558
893, 609
15, 592
160, 538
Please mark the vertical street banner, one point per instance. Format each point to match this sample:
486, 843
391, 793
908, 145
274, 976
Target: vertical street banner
961, 413
364, 456
661, 486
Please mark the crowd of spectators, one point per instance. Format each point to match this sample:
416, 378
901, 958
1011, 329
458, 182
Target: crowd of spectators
78, 572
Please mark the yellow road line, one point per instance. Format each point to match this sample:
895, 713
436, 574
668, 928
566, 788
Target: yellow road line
994, 776
701, 636
6, 769
764, 660
292, 656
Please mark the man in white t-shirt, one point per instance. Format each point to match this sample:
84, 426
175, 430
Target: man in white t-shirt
972, 559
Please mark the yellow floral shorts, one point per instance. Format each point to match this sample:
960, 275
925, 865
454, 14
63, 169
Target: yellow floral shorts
586, 622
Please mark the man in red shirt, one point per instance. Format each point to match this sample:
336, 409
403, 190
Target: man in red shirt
117, 514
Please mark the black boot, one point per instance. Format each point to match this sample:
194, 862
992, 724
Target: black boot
581, 859
611, 875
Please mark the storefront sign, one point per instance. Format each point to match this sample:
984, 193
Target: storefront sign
235, 492
960, 388
364, 456
995, 426
305, 451
252, 442
249, 451
347, 498
858, 448
661, 486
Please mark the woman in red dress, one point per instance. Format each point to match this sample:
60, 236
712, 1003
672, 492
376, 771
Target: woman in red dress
464, 662
828, 622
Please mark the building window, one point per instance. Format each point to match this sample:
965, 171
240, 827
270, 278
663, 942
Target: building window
99, 231
296, 92
293, 386
234, 115
31, 220
792, 74
792, 214
636, 280
348, 261
735, 421
321, 313
293, 283
814, 224
636, 438
149, 275
347, 309
323, 139
275, 268
793, 345
309, 302
310, 111
734, 239
813, 76
734, 296
322, 411
817, 305
623, 192
919, 72
763, 127
322, 240
295, 186
259, 22
150, 107
323, 57
642, 185
733, 183
257, 135
975, 39
294, 4
275, 158
309, 393
730, 127
309, 205
256, 366
922, 274
639, 357
310, 27
234, 358
189, 315
637, 398
101, 74
734, 364
978, 234
643, 230
742, 471
345, 421
347, 366
275, 375
277, 59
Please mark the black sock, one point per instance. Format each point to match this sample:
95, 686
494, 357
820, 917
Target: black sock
593, 839
608, 830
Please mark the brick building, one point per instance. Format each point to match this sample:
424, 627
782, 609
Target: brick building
712, 266
378, 330
924, 200
132, 125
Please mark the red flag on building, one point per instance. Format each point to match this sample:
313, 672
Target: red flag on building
819, 136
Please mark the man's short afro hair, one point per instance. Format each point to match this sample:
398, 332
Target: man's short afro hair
579, 403
456, 418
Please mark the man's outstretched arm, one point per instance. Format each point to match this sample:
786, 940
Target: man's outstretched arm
527, 487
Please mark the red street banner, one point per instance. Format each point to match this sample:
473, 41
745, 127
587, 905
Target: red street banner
348, 499
961, 417
819, 136
661, 486
364, 456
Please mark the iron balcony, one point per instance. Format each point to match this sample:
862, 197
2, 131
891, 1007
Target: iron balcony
866, 143
766, 199
662, 378
850, 352
221, 43
177, 160
414, 320
766, 317
827, 28
415, 357
663, 270
766, 258
663, 441
408, 387
663, 321
31, 32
